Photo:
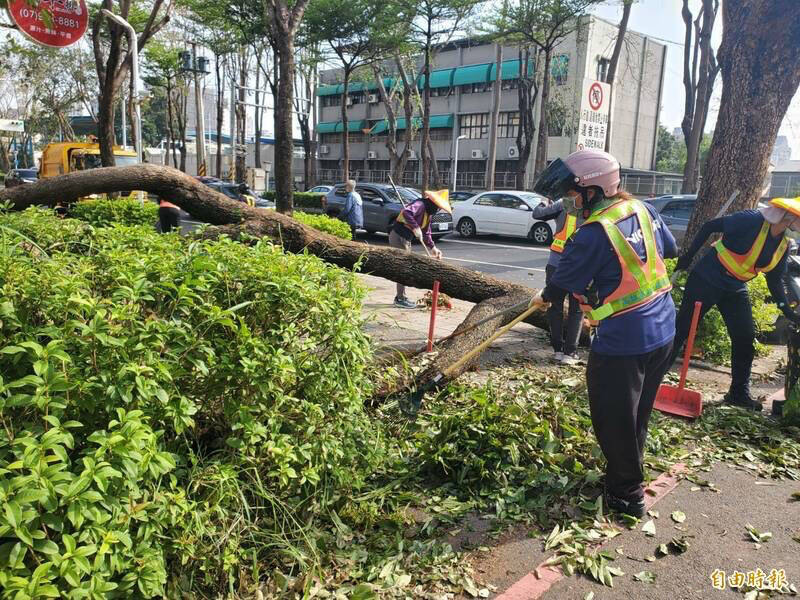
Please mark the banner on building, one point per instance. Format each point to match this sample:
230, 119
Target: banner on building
594, 115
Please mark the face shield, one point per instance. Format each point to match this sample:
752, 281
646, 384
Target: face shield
556, 180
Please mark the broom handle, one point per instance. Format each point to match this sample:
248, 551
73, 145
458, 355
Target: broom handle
535, 304
690, 343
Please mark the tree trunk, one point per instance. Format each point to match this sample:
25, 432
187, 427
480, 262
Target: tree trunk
426, 115
235, 218
490, 161
105, 131
345, 132
612, 65
541, 146
220, 113
283, 127
258, 113
527, 93
241, 118
702, 96
760, 76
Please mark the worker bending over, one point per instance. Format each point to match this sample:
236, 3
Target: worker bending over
414, 221
614, 262
753, 242
564, 340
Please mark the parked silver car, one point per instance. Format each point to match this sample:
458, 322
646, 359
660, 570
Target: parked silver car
675, 211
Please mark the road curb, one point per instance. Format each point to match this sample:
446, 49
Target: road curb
534, 585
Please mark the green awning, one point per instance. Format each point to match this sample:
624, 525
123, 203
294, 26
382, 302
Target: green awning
510, 70
330, 90
471, 74
437, 122
442, 78
336, 126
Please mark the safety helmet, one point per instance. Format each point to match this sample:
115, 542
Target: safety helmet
581, 169
791, 205
440, 199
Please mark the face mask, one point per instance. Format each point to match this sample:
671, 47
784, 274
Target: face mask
568, 202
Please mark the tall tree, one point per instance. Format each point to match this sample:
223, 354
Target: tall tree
760, 76
495, 116
305, 106
112, 67
432, 23
284, 20
700, 69
351, 30
544, 24
611, 74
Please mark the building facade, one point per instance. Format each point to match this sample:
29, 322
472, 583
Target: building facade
461, 104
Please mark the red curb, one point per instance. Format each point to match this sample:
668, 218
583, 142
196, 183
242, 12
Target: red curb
535, 585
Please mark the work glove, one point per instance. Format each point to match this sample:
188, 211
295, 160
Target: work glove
546, 294
436, 253
418, 233
683, 262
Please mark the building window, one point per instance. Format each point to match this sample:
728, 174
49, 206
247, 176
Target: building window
559, 69
441, 135
357, 98
378, 165
334, 100
509, 84
354, 137
474, 126
602, 68
506, 166
442, 92
476, 88
508, 125
330, 138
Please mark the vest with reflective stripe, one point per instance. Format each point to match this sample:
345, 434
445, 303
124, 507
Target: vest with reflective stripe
426, 219
561, 238
743, 266
642, 281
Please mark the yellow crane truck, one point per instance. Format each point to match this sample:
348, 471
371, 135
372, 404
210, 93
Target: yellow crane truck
67, 157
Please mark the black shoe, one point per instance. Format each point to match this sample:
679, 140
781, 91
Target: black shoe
744, 401
634, 508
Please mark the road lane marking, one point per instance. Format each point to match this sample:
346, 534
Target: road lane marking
480, 262
496, 245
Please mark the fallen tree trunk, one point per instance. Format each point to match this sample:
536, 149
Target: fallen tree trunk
234, 219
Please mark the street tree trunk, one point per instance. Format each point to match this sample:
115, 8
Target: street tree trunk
235, 218
541, 146
426, 155
614, 62
345, 127
258, 112
220, 112
527, 93
760, 76
492, 158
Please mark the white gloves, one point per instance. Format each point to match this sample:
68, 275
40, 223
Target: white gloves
418, 233
436, 253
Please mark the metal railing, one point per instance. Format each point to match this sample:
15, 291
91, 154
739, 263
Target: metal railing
651, 184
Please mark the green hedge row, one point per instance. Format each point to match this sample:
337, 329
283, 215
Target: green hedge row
107, 211
302, 200
325, 223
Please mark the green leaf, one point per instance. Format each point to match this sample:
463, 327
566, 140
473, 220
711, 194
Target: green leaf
13, 514
678, 516
363, 591
645, 577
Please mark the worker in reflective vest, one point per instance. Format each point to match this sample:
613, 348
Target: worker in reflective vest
753, 242
614, 262
563, 339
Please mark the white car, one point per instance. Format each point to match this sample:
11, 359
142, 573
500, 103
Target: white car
503, 213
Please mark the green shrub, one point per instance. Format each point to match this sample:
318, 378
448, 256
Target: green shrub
173, 411
123, 211
326, 224
302, 200
712, 340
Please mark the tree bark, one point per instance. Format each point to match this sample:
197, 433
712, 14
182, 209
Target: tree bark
235, 218
541, 146
760, 75
490, 160
426, 115
258, 111
527, 92
345, 126
614, 63
220, 113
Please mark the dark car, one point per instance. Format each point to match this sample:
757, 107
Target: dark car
236, 191
381, 207
17, 177
675, 211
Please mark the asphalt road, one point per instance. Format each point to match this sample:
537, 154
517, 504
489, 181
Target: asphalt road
515, 260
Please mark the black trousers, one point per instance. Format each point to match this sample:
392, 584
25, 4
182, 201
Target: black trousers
737, 313
168, 217
562, 340
622, 390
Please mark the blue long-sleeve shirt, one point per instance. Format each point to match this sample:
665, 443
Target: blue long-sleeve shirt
353, 212
589, 258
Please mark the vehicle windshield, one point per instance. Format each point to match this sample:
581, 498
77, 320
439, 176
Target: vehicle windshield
531, 199
408, 194
26, 173
92, 161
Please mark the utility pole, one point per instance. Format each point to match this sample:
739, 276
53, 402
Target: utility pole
200, 137
232, 167
490, 161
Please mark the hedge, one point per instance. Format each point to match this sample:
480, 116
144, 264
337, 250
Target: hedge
302, 200
326, 224
108, 211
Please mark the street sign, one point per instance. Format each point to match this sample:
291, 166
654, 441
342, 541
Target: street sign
13, 125
594, 115
54, 23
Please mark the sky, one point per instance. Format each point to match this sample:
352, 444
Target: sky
661, 20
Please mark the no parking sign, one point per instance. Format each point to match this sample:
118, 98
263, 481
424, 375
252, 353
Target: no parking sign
593, 123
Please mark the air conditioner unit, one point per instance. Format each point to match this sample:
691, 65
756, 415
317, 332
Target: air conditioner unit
373, 98
324, 149
513, 152
477, 154
372, 155
412, 155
